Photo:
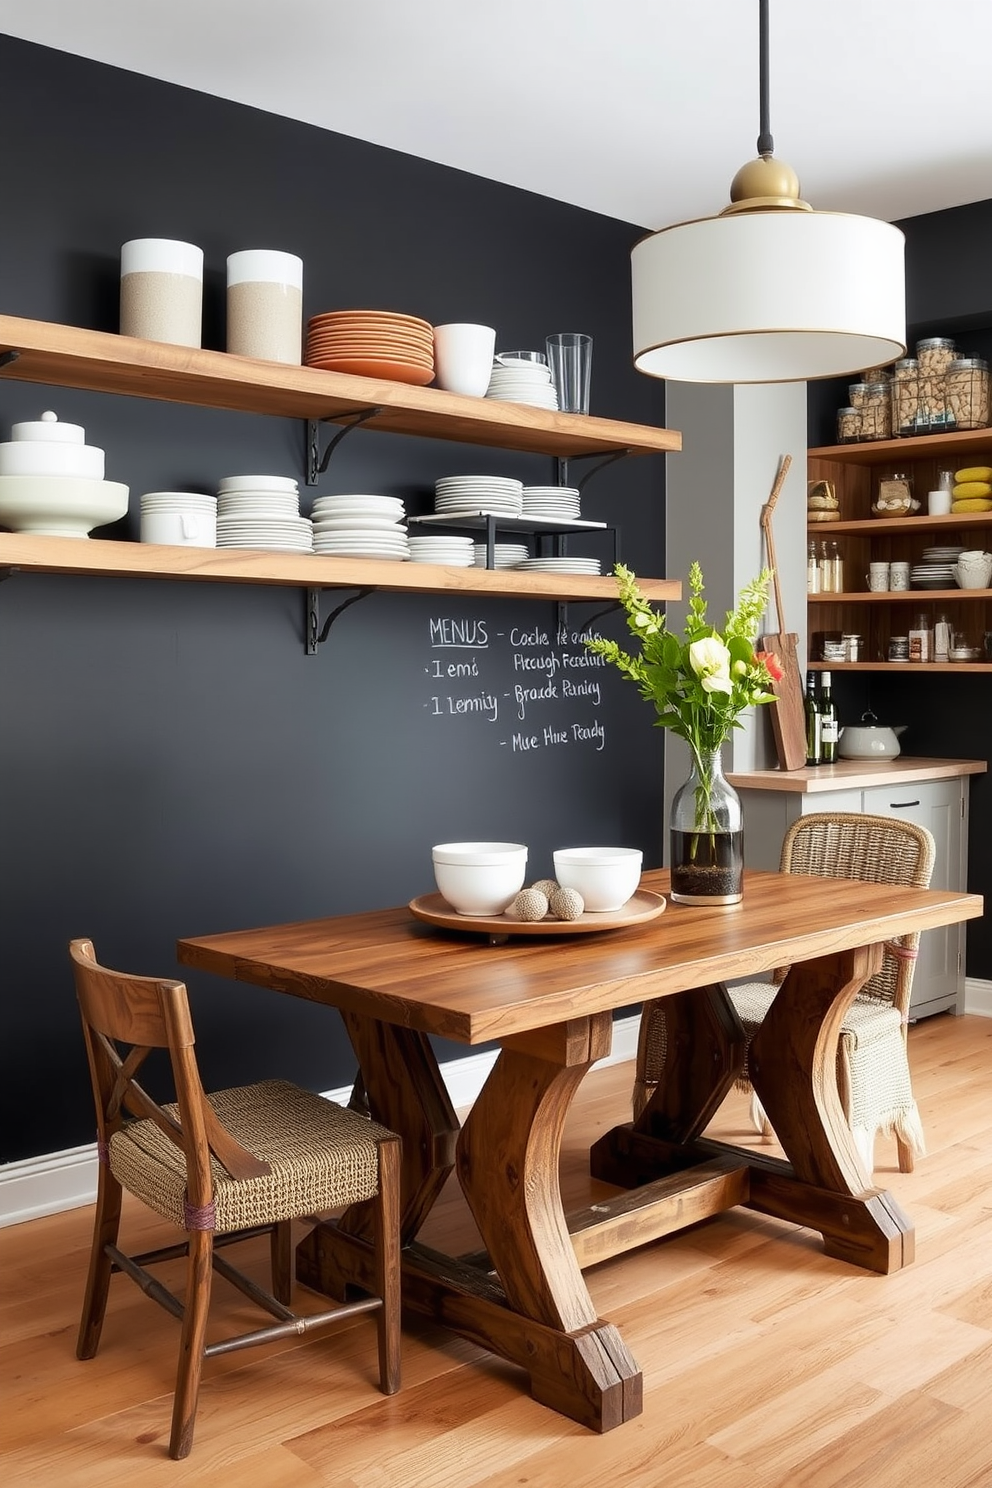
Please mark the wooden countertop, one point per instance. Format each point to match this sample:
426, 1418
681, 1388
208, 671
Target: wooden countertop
855, 774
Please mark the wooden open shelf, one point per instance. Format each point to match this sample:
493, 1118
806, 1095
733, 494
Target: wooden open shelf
71, 555
69, 356
948, 449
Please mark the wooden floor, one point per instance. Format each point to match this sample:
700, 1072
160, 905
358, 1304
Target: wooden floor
765, 1364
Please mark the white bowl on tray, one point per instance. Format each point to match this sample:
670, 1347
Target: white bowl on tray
606, 877
479, 878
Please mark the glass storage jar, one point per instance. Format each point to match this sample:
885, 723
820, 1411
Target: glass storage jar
906, 397
935, 355
848, 425
966, 385
876, 415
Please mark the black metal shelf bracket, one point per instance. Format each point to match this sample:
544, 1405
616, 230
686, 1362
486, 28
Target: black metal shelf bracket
316, 463
561, 467
563, 615
6, 357
315, 633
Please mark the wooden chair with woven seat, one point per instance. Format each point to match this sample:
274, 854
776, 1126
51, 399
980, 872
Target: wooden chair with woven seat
873, 1073
223, 1167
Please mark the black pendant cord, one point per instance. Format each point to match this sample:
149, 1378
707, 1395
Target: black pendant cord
766, 145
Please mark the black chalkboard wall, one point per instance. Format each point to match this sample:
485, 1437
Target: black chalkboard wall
171, 761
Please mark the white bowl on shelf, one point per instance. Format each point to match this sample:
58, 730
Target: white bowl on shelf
59, 506
606, 877
479, 878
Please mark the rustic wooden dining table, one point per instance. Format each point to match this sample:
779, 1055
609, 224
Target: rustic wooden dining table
548, 1002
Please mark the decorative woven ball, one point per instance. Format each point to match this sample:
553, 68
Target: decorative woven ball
546, 886
530, 904
566, 904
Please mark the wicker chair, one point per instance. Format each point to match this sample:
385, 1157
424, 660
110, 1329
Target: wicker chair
222, 1168
872, 1061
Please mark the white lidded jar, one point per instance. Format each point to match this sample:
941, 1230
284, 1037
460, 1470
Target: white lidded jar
162, 290
46, 447
265, 305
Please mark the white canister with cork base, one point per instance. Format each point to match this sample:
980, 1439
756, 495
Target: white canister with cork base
162, 291
265, 305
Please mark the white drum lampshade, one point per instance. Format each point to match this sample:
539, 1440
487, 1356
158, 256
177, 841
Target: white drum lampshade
769, 290
768, 296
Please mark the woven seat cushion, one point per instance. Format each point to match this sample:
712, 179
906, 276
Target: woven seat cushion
321, 1156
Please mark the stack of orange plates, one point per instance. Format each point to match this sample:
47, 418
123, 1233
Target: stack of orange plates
372, 343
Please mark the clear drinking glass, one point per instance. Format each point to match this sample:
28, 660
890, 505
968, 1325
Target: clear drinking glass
570, 359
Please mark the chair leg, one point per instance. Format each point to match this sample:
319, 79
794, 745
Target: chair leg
907, 1157
199, 1273
106, 1226
281, 1250
386, 1209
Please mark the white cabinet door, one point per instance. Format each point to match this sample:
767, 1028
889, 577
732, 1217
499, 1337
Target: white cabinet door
938, 805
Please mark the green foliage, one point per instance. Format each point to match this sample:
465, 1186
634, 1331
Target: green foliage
701, 683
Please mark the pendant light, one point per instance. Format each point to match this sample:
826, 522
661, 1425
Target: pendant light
769, 290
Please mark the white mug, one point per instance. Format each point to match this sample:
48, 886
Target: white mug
463, 358
877, 577
179, 528
898, 575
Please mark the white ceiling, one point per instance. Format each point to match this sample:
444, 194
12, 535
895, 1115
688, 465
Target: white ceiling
641, 109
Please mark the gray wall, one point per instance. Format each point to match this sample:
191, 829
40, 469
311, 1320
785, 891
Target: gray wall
171, 762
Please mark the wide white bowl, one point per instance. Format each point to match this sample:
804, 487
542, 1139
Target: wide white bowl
479, 878
258, 483
51, 457
606, 877
59, 506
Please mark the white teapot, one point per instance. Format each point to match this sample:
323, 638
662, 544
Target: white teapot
869, 739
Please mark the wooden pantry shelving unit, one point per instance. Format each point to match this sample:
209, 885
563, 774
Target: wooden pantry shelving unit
69, 356
854, 469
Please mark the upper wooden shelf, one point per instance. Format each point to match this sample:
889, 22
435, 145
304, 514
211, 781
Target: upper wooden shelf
69, 356
924, 523
310, 571
952, 447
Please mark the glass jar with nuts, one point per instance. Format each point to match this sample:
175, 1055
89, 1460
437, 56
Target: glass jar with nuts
966, 384
935, 355
876, 415
906, 397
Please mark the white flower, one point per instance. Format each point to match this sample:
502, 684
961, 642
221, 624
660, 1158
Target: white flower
710, 660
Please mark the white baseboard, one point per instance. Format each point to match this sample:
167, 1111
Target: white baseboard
978, 997
66, 1180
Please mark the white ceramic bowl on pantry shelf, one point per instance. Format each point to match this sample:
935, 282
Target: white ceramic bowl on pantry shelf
479, 878
606, 877
59, 506
258, 483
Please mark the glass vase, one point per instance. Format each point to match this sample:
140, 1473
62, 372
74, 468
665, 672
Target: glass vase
707, 836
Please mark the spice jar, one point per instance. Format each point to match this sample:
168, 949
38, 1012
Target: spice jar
966, 386
876, 415
848, 425
934, 355
906, 397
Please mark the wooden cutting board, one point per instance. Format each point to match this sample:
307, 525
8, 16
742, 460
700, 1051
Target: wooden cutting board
787, 713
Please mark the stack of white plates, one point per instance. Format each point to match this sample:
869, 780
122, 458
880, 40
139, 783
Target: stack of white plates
360, 526
456, 552
465, 494
505, 555
562, 565
551, 501
522, 382
261, 511
936, 568
942, 555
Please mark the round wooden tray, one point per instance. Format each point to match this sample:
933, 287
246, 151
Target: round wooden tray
437, 911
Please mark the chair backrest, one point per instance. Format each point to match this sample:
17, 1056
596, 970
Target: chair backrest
876, 849
124, 1018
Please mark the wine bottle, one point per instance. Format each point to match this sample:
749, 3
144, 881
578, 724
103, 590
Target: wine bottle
829, 730
814, 742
